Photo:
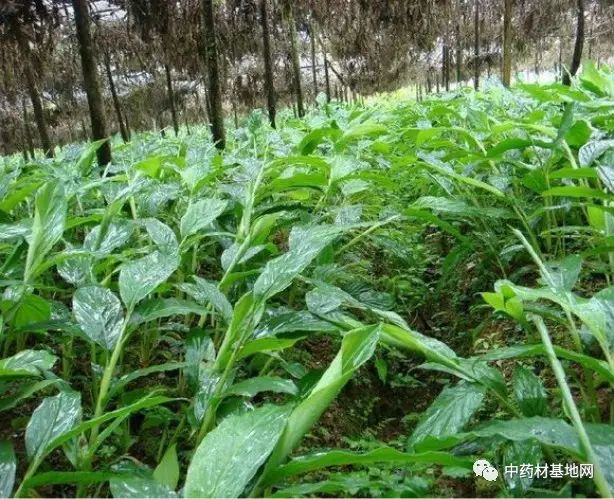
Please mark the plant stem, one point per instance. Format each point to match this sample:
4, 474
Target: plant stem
571, 408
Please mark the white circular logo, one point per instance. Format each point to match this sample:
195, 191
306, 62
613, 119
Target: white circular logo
484, 469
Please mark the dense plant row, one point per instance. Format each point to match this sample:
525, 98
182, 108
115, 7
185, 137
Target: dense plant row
153, 313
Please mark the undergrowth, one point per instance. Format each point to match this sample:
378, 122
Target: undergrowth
361, 302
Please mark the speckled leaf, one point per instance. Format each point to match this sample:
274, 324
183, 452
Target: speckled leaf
200, 214
206, 292
140, 486
99, 313
27, 362
8, 467
51, 419
116, 235
305, 244
139, 278
229, 456
162, 236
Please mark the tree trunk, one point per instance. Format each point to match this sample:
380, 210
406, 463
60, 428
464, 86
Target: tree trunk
459, 54
445, 77
269, 82
294, 53
171, 98
578, 46
476, 46
26, 128
327, 78
116, 104
90, 80
313, 59
215, 89
506, 73
560, 71
37, 106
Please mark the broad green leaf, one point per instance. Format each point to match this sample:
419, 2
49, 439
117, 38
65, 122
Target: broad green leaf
25, 391
144, 403
159, 308
564, 273
139, 485
319, 460
8, 468
595, 80
229, 456
199, 350
450, 412
577, 191
524, 452
574, 173
362, 130
84, 163
560, 435
54, 417
252, 386
579, 134
206, 292
32, 309
348, 484
9, 202
316, 137
99, 314
167, 471
73, 477
162, 236
304, 245
200, 214
534, 350
357, 347
278, 322
530, 392
48, 225
266, 345
120, 383
27, 362
140, 277
103, 240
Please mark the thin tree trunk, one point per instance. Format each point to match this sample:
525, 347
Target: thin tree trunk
560, 71
506, 76
294, 53
37, 106
313, 59
90, 80
171, 98
116, 104
459, 54
269, 82
476, 46
578, 46
26, 128
446, 50
327, 78
215, 89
